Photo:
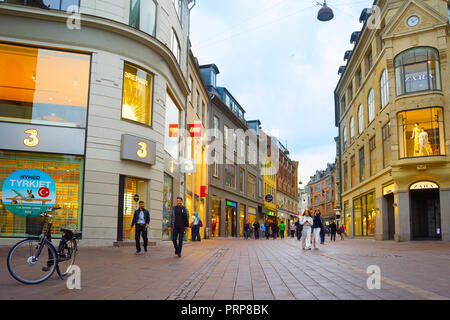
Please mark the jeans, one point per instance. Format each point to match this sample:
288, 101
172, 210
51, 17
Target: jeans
263, 234
141, 230
282, 234
274, 235
256, 234
196, 233
177, 239
299, 234
322, 237
245, 234
333, 236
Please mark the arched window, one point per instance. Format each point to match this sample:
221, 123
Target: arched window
384, 85
360, 119
417, 69
344, 133
371, 104
352, 129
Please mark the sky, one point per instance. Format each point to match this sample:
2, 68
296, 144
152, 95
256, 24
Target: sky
281, 64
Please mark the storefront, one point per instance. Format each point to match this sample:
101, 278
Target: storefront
231, 219
43, 112
425, 211
364, 215
215, 217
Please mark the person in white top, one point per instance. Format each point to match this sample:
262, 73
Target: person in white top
306, 221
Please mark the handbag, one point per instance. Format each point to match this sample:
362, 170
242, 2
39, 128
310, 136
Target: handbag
200, 223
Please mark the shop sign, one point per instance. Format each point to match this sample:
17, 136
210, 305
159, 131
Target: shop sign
388, 189
173, 130
28, 193
137, 149
424, 185
269, 198
202, 191
35, 138
231, 204
195, 130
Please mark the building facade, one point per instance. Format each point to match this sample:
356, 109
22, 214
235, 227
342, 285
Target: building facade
94, 111
269, 169
392, 110
321, 191
287, 189
233, 175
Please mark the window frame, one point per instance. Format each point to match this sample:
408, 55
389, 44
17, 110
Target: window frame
138, 18
371, 105
361, 119
384, 88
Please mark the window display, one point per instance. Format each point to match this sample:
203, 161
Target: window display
41, 86
421, 133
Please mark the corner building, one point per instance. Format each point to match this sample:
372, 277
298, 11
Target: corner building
392, 110
96, 108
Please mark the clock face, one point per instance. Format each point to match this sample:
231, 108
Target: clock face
413, 21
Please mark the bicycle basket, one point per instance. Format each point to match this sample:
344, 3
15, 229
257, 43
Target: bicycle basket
35, 225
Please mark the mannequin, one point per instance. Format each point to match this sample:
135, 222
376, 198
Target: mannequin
415, 137
424, 143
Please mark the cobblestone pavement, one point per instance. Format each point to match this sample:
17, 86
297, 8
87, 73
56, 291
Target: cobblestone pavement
246, 270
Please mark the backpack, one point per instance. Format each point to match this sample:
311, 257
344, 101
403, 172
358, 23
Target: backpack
200, 223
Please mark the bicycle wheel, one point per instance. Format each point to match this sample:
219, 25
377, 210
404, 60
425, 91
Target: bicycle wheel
27, 266
67, 258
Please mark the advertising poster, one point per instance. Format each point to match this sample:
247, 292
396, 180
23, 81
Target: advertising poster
28, 193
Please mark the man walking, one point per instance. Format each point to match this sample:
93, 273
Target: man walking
317, 228
268, 225
282, 228
263, 230
178, 222
246, 229
333, 230
141, 220
256, 229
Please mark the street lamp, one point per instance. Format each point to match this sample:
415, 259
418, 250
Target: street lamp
325, 13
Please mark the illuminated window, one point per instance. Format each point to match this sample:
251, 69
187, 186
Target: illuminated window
137, 95
417, 70
384, 86
66, 171
371, 105
364, 214
143, 16
421, 133
42, 86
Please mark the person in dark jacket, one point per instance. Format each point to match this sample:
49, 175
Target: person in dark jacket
317, 228
141, 220
299, 229
274, 230
178, 222
333, 230
246, 229
268, 225
256, 227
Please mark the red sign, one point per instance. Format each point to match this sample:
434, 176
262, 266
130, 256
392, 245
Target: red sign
173, 130
202, 191
44, 192
195, 130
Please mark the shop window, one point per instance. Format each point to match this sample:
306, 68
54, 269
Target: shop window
172, 125
137, 95
41, 86
386, 145
371, 105
384, 87
143, 16
417, 70
64, 5
364, 215
66, 172
167, 205
421, 133
132, 186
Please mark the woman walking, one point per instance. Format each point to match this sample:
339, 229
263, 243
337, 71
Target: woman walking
307, 222
292, 229
342, 231
268, 230
317, 228
282, 228
263, 230
333, 230
274, 230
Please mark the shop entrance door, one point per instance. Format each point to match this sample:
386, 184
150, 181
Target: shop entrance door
230, 215
425, 214
390, 215
129, 187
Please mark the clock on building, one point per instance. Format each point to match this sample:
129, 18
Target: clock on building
413, 21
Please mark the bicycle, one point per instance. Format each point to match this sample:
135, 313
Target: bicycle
34, 260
